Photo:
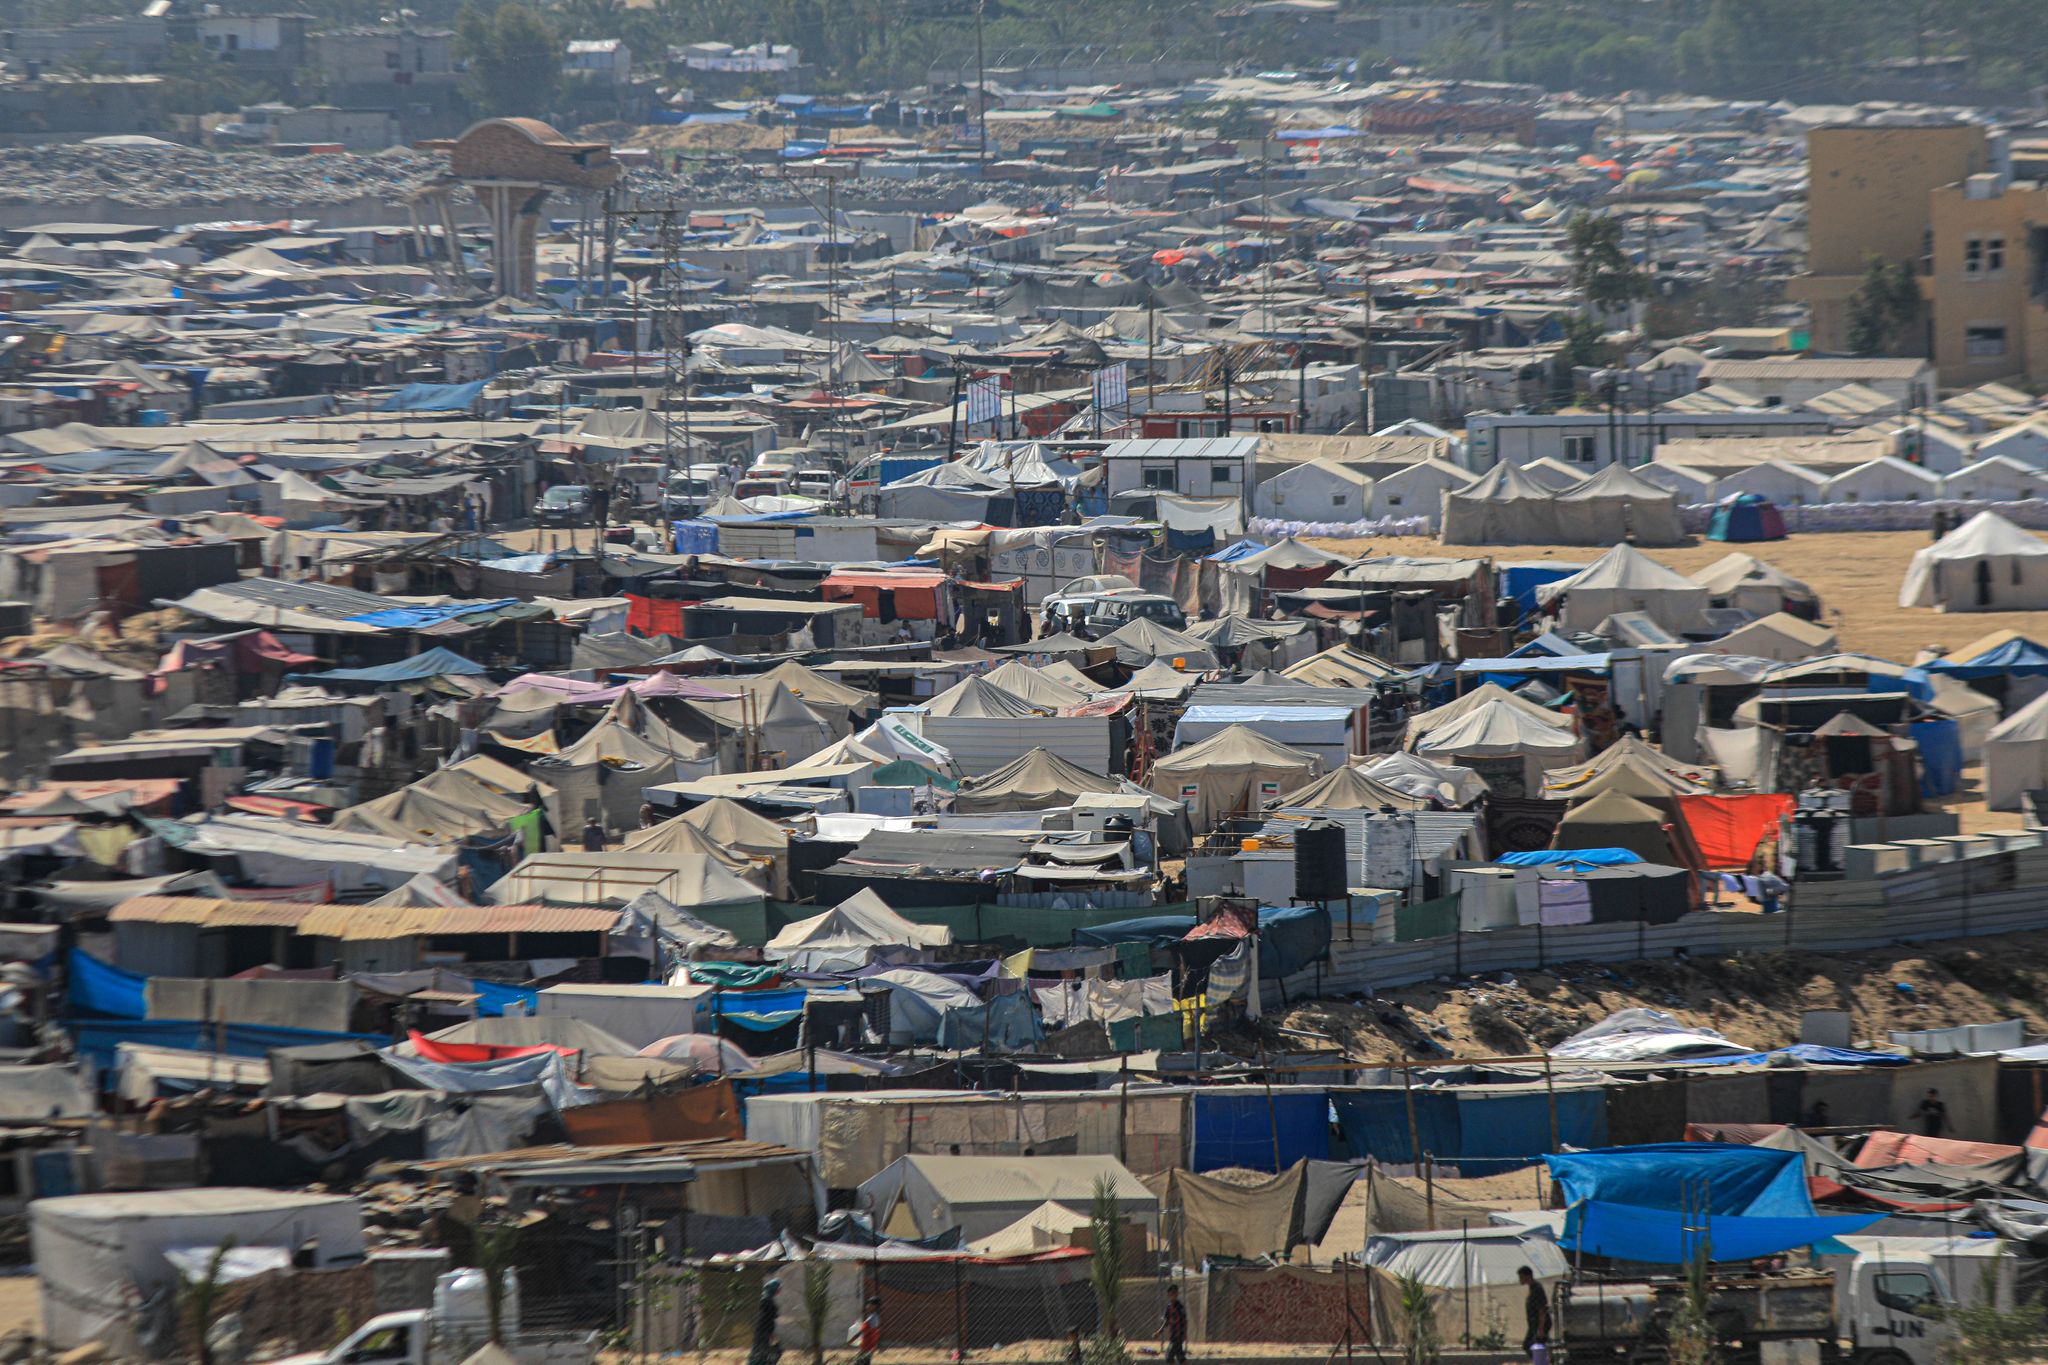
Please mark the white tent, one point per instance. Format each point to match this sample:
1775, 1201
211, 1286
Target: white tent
1419, 776
1048, 1227
1986, 564
1742, 580
1505, 507
1624, 579
1471, 1275
851, 935
1618, 502
1505, 745
637, 1014
918, 1195
2016, 755
1483, 695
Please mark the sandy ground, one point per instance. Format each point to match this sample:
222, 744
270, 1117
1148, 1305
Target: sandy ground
21, 1304
1857, 575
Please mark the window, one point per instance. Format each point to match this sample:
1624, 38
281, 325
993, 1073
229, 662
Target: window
1973, 256
1157, 478
1906, 1291
1994, 255
1222, 473
1394, 500
1984, 340
1581, 449
1338, 500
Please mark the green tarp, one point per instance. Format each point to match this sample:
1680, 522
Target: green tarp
1428, 919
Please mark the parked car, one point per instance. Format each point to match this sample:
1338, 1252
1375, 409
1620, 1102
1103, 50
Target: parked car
690, 491
1089, 587
566, 504
1114, 610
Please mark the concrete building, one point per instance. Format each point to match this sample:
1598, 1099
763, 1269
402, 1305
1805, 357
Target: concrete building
1589, 441
1990, 270
382, 56
1868, 196
1794, 381
132, 43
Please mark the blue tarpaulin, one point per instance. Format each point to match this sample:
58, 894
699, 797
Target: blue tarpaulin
760, 1002
1005, 1024
98, 1038
1491, 1126
1587, 857
1757, 1182
101, 988
696, 538
1668, 1237
1168, 927
1236, 1126
433, 663
413, 618
434, 397
1291, 937
1520, 581
1813, 1054
2019, 657
1941, 754
493, 998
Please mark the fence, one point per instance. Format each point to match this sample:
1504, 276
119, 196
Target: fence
2002, 892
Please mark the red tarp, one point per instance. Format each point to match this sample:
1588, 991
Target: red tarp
1886, 1148
432, 1051
1729, 828
653, 616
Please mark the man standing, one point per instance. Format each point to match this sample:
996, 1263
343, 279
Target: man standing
764, 1350
1175, 1327
1933, 1115
1538, 1310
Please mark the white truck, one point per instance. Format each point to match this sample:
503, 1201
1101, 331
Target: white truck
453, 1330
1880, 1303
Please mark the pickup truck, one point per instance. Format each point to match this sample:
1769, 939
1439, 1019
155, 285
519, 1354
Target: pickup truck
414, 1337
1880, 1303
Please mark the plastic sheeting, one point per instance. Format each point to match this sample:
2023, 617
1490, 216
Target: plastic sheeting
1259, 1130
1750, 1182
1493, 1124
101, 988
547, 1070
1670, 1237
1728, 829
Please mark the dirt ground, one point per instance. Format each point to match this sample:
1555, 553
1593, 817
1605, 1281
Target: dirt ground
1857, 575
21, 1304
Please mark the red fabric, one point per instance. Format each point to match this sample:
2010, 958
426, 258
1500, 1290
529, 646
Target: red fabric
1294, 580
1729, 828
1739, 1134
653, 616
432, 1051
1229, 922
1888, 1148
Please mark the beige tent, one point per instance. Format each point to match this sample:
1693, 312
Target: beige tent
1742, 580
737, 830
628, 749
1614, 820
2016, 756
1350, 789
1986, 564
977, 698
1504, 744
1780, 636
1038, 686
1037, 780
1341, 666
1483, 695
1618, 502
1624, 579
1629, 754
1234, 770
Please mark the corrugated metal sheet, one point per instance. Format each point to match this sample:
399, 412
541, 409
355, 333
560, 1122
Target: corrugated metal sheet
364, 923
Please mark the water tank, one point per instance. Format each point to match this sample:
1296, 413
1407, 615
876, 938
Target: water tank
1319, 866
1389, 849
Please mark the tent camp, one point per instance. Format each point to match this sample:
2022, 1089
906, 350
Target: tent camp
1471, 1276
853, 934
1624, 579
1238, 769
1986, 564
629, 748
1036, 780
1742, 580
1618, 503
1636, 756
1504, 507
2016, 755
1505, 745
736, 829
977, 697
1141, 640
919, 1196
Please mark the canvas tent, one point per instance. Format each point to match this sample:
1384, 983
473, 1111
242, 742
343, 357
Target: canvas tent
1624, 579
1506, 506
1040, 687
629, 748
980, 699
1986, 564
1507, 746
1036, 780
1237, 769
1141, 640
1618, 503
1629, 753
919, 1196
1350, 788
1470, 1275
1419, 776
2016, 755
1780, 636
1486, 694
851, 935
1742, 580
1613, 819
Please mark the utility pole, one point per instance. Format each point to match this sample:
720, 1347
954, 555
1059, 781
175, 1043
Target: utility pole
981, 80
675, 342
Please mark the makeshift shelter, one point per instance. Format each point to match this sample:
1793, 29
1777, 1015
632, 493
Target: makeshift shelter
1612, 819
1505, 745
428, 664
1048, 1227
1504, 507
1238, 769
1035, 780
1616, 504
1742, 580
854, 933
1986, 564
1746, 517
1635, 756
1419, 776
919, 1196
1470, 1275
1780, 636
1350, 788
2016, 756
1141, 640
1486, 694
102, 1257
736, 829
822, 692
630, 748
1040, 687
975, 696
1624, 579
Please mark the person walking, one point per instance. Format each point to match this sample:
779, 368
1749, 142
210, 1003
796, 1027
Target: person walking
867, 1333
1535, 1341
1174, 1327
764, 1350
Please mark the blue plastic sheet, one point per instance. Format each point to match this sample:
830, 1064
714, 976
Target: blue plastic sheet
2015, 658
1005, 1024
1292, 937
1941, 755
1587, 857
1490, 1126
98, 1038
1168, 927
1756, 1182
102, 988
434, 397
1813, 1054
782, 1001
1670, 1237
1374, 1124
492, 999
1234, 1126
696, 538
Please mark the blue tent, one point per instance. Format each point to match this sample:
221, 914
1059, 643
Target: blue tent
1747, 517
433, 663
2017, 657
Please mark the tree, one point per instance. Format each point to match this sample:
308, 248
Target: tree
514, 56
1585, 345
199, 1296
1988, 1335
817, 1305
1692, 1328
1885, 309
1420, 1342
495, 1243
1106, 1274
1601, 270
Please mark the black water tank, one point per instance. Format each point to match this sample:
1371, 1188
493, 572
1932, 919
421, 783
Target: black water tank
1319, 871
